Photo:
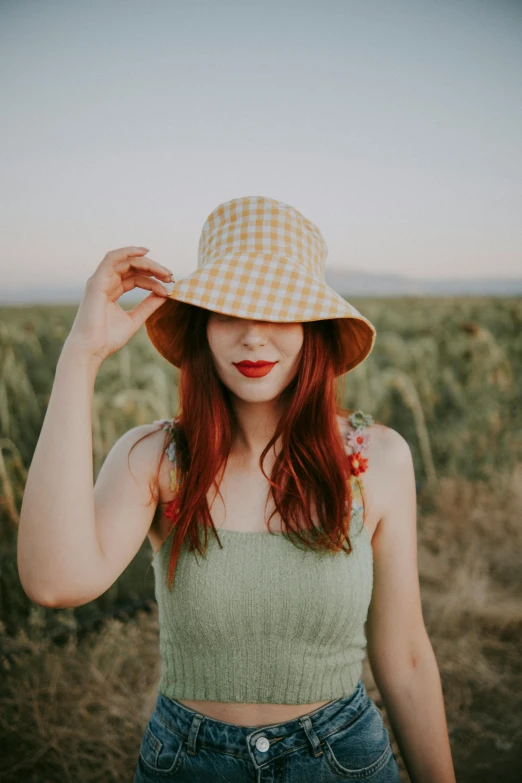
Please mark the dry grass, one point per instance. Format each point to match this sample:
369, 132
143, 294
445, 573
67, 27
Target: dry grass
470, 563
77, 713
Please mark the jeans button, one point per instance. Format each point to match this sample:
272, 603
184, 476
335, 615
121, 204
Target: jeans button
262, 744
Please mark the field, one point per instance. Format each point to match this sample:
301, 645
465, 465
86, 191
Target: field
78, 686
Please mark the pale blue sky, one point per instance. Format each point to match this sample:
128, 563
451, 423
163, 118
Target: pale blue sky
395, 126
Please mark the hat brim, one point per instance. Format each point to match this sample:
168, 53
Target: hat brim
266, 288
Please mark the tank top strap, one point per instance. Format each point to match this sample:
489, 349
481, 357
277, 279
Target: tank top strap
358, 440
357, 443
170, 450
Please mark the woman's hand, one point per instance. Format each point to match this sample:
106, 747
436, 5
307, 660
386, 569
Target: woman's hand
101, 326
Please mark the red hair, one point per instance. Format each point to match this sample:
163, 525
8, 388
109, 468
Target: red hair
312, 469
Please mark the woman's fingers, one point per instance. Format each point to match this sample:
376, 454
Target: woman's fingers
99, 328
157, 272
114, 257
124, 252
123, 259
143, 264
141, 281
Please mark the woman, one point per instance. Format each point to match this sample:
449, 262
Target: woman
270, 560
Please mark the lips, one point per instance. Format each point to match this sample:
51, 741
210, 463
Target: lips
248, 363
254, 369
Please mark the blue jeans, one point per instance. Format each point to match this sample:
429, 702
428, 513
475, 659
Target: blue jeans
344, 740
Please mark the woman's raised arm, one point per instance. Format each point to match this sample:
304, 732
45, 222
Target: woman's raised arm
60, 554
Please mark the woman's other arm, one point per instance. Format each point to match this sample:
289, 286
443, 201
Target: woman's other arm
399, 650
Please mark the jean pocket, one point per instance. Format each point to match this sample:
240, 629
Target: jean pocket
361, 748
162, 749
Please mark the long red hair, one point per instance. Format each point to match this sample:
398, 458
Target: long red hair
312, 469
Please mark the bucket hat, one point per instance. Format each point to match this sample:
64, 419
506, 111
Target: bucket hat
261, 259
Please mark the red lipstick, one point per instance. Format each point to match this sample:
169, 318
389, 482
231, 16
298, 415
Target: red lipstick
254, 369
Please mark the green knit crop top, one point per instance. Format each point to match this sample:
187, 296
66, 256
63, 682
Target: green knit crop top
262, 620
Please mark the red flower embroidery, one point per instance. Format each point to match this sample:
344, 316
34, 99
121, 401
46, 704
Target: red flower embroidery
358, 463
171, 510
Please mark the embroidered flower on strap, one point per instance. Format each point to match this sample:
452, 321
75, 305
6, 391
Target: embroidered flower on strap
360, 419
358, 441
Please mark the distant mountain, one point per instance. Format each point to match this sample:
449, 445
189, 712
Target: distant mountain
356, 283
348, 283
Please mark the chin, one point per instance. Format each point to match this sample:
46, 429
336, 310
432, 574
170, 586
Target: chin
256, 395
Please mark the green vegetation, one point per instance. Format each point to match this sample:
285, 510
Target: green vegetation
445, 373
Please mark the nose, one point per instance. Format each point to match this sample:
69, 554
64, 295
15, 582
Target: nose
255, 333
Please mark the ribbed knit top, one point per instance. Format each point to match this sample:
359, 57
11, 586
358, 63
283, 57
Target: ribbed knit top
262, 620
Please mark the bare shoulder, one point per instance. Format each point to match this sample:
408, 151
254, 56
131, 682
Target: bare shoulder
384, 443
387, 453
126, 496
389, 446
393, 480
145, 445
136, 454
144, 451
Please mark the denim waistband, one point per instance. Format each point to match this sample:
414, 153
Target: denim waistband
200, 730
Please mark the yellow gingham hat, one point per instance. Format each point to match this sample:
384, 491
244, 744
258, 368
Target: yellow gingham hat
260, 259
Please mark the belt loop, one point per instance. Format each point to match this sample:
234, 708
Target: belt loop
193, 733
315, 742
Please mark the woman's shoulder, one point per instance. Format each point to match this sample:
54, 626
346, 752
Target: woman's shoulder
371, 446
374, 451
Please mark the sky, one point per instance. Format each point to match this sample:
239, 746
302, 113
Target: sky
396, 127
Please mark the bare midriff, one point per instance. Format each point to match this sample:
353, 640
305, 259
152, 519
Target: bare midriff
246, 714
